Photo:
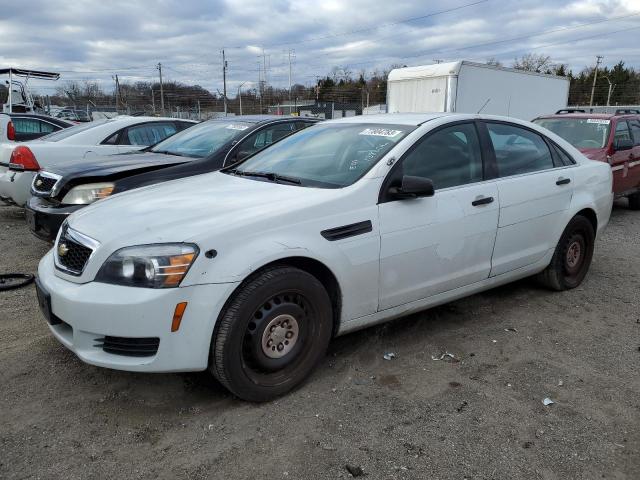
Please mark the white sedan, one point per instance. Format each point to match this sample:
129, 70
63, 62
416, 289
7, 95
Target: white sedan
19, 162
250, 271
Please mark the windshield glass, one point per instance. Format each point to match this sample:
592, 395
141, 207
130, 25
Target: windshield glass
579, 132
326, 155
202, 139
68, 132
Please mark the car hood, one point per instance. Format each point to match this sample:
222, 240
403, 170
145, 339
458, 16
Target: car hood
594, 153
189, 208
112, 164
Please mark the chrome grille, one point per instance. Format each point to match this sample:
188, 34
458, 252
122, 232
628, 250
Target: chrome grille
71, 251
44, 183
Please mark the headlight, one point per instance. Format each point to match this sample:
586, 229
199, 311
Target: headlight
149, 266
89, 193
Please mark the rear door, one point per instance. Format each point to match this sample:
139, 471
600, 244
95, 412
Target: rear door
535, 192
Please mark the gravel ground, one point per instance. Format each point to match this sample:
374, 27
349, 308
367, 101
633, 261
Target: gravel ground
480, 417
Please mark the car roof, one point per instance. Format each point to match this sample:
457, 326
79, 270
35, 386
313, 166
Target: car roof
40, 116
261, 118
412, 119
603, 116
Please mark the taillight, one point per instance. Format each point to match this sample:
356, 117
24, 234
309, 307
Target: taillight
23, 158
11, 131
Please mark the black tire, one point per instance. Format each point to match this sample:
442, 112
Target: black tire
634, 201
572, 257
281, 298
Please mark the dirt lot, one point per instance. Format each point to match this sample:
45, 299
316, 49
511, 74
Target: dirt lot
409, 417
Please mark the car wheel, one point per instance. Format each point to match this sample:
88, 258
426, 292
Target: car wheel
634, 201
572, 257
272, 333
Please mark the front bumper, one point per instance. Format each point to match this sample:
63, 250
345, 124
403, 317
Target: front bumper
45, 218
86, 314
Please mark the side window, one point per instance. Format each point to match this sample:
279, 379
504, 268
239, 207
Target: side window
302, 125
184, 125
622, 131
635, 131
147, 134
46, 127
262, 138
565, 159
449, 157
112, 140
518, 150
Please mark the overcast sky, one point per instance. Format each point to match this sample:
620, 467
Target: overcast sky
94, 39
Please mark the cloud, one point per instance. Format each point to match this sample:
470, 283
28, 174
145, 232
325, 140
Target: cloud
92, 39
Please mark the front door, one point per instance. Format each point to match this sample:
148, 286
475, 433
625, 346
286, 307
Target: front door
435, 244
633, 171
623, 178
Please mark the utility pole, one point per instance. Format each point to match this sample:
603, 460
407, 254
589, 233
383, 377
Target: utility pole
224, 82
153, 101
595, 77
264, 64
259, 90
290, 53
161, 89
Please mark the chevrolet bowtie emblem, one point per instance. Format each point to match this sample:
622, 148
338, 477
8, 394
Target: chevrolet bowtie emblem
38, 183
63, 249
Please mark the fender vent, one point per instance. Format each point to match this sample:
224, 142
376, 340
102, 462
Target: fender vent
347, 231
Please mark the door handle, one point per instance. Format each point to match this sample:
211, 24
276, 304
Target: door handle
563, 181
482, 201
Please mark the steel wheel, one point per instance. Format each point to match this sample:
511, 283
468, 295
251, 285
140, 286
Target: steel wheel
272, 333
572, 257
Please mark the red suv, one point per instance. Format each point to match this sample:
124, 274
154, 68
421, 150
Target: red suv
612, 138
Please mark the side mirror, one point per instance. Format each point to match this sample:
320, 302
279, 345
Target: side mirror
623, 144
413, 187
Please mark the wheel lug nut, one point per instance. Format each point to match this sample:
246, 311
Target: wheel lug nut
280, 347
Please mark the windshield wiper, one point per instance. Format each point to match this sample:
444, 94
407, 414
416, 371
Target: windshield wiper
274, 177
167, 152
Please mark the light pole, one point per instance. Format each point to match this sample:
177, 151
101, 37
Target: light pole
240, 96
611, 86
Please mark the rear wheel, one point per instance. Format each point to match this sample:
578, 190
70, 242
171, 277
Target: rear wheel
272, 334
634, 201
572, 257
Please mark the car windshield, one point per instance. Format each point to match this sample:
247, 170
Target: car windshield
325, 155
68, 132
202, 139
579, 132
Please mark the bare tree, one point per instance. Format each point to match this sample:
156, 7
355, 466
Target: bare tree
493, 61
533, 62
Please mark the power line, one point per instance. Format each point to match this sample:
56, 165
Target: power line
368, 29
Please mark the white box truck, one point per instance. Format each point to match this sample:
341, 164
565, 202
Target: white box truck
468, 87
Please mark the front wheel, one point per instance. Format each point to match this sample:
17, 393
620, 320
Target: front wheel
634, 201
572, 257
272, 333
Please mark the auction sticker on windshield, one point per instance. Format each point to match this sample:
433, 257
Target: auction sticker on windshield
601, 121
237, 127
381, 132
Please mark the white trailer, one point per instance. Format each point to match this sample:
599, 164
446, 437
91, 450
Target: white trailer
468, 87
